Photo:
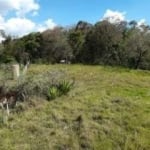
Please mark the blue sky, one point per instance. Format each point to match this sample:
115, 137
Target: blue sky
67, 12
20, 17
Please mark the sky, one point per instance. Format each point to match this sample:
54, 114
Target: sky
20, 17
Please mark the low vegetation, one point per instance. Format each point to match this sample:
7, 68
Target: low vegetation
62, 88
48, 84
107, 108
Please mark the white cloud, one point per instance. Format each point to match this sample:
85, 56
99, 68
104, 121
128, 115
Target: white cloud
17, 26
23, 7
20, 7
1, 23
141, 22
48, 24
114, 16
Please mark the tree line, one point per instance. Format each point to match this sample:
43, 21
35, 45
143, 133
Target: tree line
117, 44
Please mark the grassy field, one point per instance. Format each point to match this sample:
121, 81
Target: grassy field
108, 109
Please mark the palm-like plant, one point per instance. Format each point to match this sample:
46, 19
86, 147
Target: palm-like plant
65, 86
53, 92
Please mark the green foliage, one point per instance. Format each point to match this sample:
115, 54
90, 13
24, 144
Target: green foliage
65, 86
39, 84
52, 92
7, 59
120, 44
55, 45
61, 88
48, 84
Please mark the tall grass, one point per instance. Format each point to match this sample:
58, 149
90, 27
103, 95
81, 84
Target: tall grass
108, 108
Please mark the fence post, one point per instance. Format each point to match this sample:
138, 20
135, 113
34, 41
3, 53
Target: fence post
16, 71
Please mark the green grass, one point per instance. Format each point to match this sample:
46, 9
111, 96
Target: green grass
108, 109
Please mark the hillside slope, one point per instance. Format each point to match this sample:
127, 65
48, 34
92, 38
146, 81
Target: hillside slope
108, 109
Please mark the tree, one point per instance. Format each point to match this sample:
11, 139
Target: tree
76, 38
55, 45
102, 44
137, 47
33, 46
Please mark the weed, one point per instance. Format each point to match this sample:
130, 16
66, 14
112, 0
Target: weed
65, 86
53, 92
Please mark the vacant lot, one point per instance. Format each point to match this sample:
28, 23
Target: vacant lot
108, 109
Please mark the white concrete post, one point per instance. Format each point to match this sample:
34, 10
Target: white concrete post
16, 71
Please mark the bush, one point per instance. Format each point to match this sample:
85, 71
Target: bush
65, 86
53, 92
46, 85
39, 84
61, 88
